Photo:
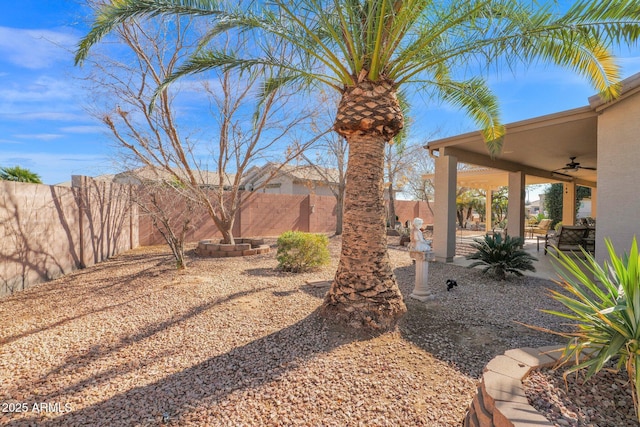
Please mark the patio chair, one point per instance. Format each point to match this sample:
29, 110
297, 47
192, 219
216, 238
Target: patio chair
569, 238
590, 240
543, 227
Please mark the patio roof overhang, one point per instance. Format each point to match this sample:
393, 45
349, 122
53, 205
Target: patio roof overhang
486, 178
539, 147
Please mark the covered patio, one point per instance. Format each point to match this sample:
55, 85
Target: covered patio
534, 152
603, 135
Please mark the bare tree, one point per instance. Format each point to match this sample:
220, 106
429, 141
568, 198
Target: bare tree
400, 161
418, 185
209, 169
330, 159
331, 164
171, 214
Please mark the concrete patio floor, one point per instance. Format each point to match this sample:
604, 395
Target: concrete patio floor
544, 268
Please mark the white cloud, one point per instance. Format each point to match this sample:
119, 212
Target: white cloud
83, 129
43, 115
42, 88
35, 49
39, 136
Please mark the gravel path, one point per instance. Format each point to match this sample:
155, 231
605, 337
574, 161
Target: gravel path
233, 342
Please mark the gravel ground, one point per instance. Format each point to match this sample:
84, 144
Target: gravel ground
603, 401
234, 342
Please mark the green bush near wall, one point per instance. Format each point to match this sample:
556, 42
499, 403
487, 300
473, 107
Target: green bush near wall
299, 251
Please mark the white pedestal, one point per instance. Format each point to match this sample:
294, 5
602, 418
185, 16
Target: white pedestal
421, 289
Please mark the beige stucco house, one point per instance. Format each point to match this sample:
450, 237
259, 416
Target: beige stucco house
292, 179
270, 178
604, 135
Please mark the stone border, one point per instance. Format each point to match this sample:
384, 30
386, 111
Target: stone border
500, 400
242, 247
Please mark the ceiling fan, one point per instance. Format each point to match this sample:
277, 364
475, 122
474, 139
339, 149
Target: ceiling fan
573, 165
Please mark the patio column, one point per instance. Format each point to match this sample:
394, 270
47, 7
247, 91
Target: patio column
488, 210
515, 208
569, 203
594, 202
444, 228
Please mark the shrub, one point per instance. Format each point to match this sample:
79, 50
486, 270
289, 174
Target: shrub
604, 301
298, 251
501, 256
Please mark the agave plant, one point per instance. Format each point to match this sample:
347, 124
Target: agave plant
604, 302
501, 256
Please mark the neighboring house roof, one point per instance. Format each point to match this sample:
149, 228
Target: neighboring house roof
149, 173
305, 173
311, 173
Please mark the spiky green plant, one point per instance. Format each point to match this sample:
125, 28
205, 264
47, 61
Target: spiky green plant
604, 302
501, 256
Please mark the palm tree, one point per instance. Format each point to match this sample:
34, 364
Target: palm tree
368, 51
19, 174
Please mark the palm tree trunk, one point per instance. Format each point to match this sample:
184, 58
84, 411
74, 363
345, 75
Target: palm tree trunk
364, 292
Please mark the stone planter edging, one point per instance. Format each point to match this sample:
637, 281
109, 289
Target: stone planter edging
500, 400
242, 247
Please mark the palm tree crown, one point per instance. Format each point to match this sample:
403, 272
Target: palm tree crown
19, 174
419, 43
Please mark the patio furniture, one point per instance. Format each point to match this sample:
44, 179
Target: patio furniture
590, 240
588, 221
570, 238
543, 227
544, 238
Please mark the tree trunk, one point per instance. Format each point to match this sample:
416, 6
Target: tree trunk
392, 208
365, 292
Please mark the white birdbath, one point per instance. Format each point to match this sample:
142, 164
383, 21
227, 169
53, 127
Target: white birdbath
421, 290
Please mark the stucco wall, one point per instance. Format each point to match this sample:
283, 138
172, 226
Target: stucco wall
269, 215
46, 230
408, 210
618, 175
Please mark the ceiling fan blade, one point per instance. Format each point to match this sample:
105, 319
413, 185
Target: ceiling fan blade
588, 168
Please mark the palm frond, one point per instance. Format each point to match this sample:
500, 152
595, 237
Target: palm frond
475, 97
118, 12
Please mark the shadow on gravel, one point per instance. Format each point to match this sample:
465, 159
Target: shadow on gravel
469, 339
316, 289
207, 383
73, 287
75, 279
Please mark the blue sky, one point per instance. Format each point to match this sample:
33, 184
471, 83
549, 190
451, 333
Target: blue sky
44, 125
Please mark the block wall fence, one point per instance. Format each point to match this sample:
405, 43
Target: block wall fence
269, 215
47, 231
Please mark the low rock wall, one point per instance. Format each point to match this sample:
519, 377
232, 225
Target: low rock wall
500, 400
242, 247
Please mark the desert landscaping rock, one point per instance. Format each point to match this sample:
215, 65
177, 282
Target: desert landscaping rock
235, 342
